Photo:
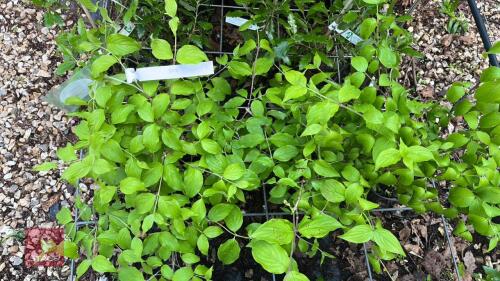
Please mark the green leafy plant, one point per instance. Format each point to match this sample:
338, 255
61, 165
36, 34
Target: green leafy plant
174, 161
457, 24
51, 17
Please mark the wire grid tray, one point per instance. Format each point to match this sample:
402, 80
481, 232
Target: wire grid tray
223, 9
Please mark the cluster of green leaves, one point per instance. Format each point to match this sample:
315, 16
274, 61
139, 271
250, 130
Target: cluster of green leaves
51, 16
174, 161
457, 24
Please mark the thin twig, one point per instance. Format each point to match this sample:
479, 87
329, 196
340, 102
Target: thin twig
87, 13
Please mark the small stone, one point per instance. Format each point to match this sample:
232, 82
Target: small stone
15, 260
23, 202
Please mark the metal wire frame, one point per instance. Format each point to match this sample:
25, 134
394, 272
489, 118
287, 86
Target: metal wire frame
266, 214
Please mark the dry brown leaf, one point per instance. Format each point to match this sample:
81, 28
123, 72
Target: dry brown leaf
447, 39
53, 199
470, 262
434, 262
404, 233
413, 249
428, 92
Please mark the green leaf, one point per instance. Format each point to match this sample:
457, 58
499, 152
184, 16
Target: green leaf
275, 231
495, 49
102, 166
271, 257
174, 24
161, 49
348, 92
387, 241
285, 153
294, 91
121, 113
83, 267
417, 154
359, 63
211, 146
144, 202
228, 251
311, 130
213, 231
296, 78
234, 220
455, 92
367, 27
131, 185
492, 73
129, 273
88, 4
358, 234
386, 55
145, 111
295, 276
387, 157
78, 170
47, 166
461, 197
101, 264
183, 274
182, 87
66, 153
151, 136
332, 190
190, 258
189, 54
160, 103
374, 2
172, 177
64, 216
219, 212
202, 244
121, 45
239, 68
263, 65
171, 8
193, 181
234, 172
113, 151
123, 238
321, 112
102, 64
319, 226
488, 92
353, 193
324, 169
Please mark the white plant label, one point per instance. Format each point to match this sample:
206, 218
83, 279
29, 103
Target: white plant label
169, 72
240, 21
347, 34
127, 29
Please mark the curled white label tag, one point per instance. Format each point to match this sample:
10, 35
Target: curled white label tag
240, 21
347, 34
169, 72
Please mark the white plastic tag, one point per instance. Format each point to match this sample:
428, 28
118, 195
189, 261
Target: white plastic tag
240, 21
347, 34
127, 29
169, 72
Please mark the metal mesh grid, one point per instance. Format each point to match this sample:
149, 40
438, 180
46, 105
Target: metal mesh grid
265, 213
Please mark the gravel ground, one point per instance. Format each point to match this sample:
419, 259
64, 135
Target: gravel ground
31, 130
447, 58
